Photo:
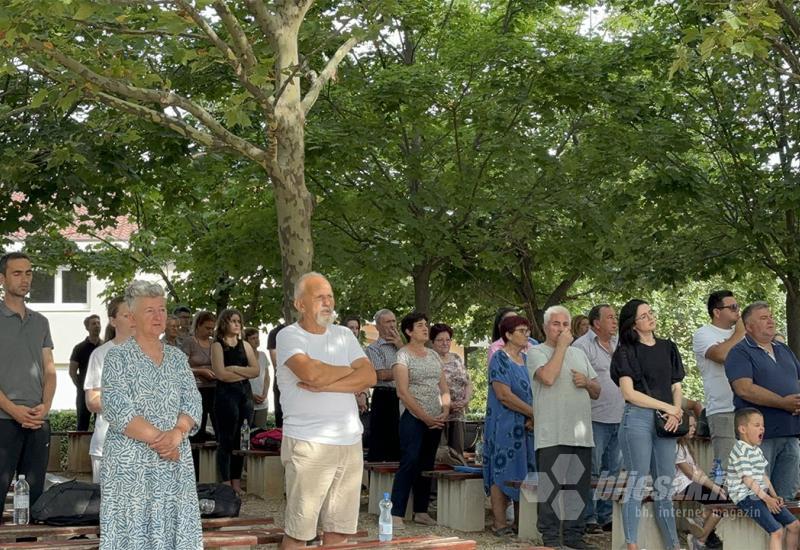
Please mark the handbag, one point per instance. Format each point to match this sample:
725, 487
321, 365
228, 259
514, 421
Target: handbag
660, 418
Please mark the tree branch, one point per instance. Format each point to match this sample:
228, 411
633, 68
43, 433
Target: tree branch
240, 43
265, 20
327, 73
118, 87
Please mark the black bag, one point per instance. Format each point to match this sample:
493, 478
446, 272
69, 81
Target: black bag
703, 429
661, 418
70, 503
226, 501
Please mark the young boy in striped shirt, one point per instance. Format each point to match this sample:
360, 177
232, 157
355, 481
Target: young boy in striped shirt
750, 488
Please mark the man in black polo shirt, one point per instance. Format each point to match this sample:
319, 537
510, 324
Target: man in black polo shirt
27, 379
78, 365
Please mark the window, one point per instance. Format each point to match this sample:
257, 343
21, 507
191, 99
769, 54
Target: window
65, 287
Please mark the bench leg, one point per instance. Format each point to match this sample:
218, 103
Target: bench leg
78, 453
379, 483
458, 504
742, 532
208, 466
276, 478
529, 516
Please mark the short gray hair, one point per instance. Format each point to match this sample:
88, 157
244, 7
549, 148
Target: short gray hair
752, 308
380, 313
142, 289
556, 309
300, 284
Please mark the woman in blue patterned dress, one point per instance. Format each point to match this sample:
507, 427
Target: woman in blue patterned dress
151, 403
508, 427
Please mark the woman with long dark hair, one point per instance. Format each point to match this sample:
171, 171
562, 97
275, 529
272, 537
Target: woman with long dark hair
197, 347
649, 371
234, 363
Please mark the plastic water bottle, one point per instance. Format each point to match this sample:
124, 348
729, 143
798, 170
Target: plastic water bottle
385, 519
717, 474
244, 443
22, 499
207, 506
479, 451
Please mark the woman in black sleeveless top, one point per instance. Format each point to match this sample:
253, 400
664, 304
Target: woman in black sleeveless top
233, 363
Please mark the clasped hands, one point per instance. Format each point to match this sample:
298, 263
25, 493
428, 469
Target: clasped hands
674, 418
167, 444
31, 418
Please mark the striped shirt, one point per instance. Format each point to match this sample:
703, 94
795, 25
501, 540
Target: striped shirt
745, 460
383, 355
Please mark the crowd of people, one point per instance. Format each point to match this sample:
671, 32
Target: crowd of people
601, 394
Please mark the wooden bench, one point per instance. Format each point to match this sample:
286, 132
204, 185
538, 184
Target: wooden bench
411, 543
78, 460
381, 479
741, 531
460, 500
54, 458
50, 532
265, 475
206, 461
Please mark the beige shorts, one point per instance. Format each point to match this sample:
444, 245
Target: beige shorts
323, 486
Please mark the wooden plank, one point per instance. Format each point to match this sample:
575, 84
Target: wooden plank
410, 543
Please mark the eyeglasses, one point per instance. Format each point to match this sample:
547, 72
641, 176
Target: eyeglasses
525, 331
733, 307
647, 315
442, 341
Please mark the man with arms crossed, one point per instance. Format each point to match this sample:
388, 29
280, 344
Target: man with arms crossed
27, 380
711, 344
320, 367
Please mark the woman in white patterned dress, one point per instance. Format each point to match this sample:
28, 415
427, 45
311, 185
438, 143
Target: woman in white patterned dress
151, 403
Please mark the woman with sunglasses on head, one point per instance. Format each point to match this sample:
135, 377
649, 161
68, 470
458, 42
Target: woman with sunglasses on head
649, 371
508, 453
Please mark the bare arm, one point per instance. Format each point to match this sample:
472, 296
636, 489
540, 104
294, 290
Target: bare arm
643, 400
49, 390
141, 430
93, 400
593, 388
361, 378
386, 375
444, 394
719, 352
548, 373
511, 401
252, 369
746, 389
316, 373
73, 371
218, 365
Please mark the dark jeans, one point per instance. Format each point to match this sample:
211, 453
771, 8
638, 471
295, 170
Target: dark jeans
561, 514
25, 452
276, 398
384, 421
419, 444
207, 395
233, 404
84, 415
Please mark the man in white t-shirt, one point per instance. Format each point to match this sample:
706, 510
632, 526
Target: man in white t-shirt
320, 367
711, 344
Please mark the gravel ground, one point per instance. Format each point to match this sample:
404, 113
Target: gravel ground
257, 507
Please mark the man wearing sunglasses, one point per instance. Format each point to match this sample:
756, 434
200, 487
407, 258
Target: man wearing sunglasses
711, 344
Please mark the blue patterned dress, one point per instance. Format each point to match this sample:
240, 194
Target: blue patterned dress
507, 447
147, 503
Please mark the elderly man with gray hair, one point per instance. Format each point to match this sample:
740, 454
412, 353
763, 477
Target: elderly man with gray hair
384, 416
764, 374
564, 383
320, 367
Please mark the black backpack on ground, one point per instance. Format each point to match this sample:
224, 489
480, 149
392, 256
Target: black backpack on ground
226, 501
70, 503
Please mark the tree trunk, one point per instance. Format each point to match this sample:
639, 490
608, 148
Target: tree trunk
793, 313
422, 287
287, 170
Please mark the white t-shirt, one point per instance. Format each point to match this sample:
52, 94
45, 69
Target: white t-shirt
94, 375
719, 396
257, 383
326, 417
680, 482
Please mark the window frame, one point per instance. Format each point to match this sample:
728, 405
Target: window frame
58, 292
